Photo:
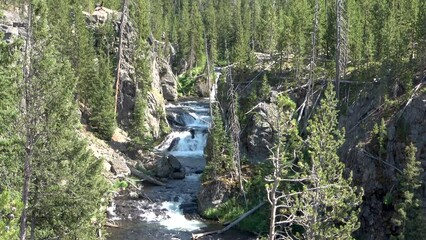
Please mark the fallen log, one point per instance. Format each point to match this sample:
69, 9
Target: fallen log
199, 235
144, 176
111, 225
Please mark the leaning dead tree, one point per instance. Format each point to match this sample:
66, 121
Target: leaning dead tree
120, 52
230, 225
341, 42
306, 107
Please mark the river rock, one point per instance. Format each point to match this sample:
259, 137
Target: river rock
179, 174
174, 163
173, 144
163, 168
170, 167
189, 208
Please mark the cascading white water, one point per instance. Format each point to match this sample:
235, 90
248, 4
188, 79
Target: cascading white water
162, 214
186, 142
213, 91
191, 140
173, 218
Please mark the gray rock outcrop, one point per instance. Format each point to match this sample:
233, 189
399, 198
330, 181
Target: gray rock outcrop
11, 26
168, 81
258, 135
155, 111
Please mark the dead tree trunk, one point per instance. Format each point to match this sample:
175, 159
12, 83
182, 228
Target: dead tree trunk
341, 43
208, 76
271, 193
251, 211
120, 52
29, 131
234, 129
306, 106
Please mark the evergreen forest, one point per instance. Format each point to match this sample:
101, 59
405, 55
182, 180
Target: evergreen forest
316, 122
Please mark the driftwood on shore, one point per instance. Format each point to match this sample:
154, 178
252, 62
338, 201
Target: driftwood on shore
144, 176
199, 235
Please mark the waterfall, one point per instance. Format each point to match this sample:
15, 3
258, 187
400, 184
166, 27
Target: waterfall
191, 138
166, 216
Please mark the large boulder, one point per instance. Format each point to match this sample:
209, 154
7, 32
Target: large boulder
202, 86
102, 14
168, 81
258, 135
170, 167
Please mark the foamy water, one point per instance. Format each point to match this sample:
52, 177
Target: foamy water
172, 217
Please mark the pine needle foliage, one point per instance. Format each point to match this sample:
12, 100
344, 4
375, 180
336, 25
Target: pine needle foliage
10, 141
311, 196
329, 201
408, 215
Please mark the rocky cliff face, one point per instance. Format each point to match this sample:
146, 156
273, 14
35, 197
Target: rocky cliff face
163, 85
11, 26
377, 173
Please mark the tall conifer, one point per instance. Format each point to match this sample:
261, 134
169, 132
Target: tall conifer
63, 172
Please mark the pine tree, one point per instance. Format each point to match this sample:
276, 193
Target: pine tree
328, 201
101, 101
268, 27
211, 31
255, 23
300, 28
219, 149
265, 88
421, 32
196, 34
59, 170
94, 85
318, 201
183, 36
407, 208
139, 15
157, 18
282, 158
64, 172
10, 140
224, 23
242, 53
83, 56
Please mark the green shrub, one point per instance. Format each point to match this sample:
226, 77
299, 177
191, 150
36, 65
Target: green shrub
120, 185
10, 209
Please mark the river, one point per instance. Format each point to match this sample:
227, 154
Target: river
172, 213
